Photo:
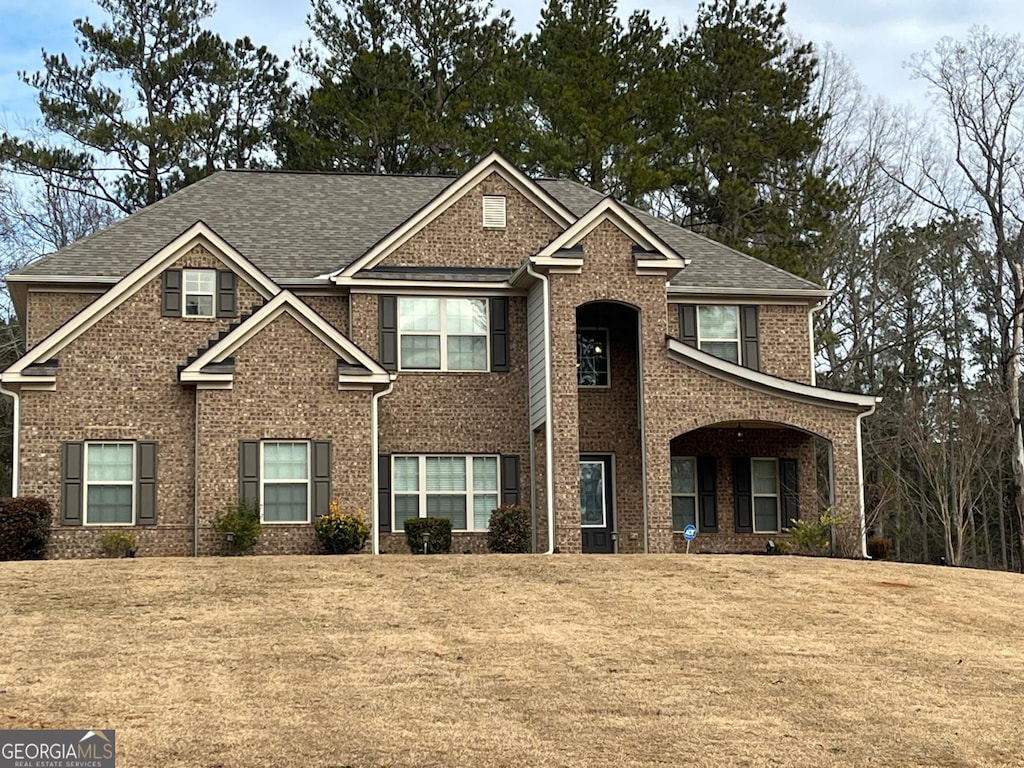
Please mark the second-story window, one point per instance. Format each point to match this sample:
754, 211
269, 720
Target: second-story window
718, 331
200, 286
442, 334
592, 357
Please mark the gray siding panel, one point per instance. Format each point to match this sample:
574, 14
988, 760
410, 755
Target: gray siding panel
535, 346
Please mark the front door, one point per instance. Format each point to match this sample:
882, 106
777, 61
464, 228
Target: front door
596, 518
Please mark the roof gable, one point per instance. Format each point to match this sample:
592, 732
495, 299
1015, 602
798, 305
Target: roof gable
198, 234
356, 368
493, 163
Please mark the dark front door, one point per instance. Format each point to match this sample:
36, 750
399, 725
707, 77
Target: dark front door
596, 519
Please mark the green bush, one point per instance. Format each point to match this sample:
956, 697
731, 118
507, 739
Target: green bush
878, 548
241, 522
341, 532
117, 544
814, 538
439, 529
509, 531
24, 528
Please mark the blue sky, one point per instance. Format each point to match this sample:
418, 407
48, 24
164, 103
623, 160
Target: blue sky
878, 36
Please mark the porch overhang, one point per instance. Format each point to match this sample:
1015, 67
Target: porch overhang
767, 384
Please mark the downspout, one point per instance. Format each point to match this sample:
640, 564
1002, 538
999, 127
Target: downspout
195, 482
15, 437
549, 432
860, 485
810, 339
643, 425
374, 469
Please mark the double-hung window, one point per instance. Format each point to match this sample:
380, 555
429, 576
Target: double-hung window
109, 483
200, 287
462, 489
684, 492
284, 482
718, 331
442, 334
764, 477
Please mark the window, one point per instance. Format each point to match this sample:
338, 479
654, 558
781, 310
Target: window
718, 331
200, 287
463, 489
442, 334
494, 212
284, 482
764, 477
109, 483
684, 492
592, 357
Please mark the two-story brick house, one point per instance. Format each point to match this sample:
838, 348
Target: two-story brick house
421, 345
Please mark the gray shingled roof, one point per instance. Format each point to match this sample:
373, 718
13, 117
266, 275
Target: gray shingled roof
299, 225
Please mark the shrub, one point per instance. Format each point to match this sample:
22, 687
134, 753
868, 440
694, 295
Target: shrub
813, 538
240, 524
117, 544
878, 548
510, 529
341, 532
24, 528
439, 530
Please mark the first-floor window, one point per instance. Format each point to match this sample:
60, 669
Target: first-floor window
284, 482
718, 331
684, 492
764, 476
109, 483
462, 489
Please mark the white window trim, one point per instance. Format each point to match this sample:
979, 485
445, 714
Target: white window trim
608, 356
264, 482
496, 201
605, 477
422, 492
695, 495
777, 496
737, 340
443, 334
86, 484
185, 293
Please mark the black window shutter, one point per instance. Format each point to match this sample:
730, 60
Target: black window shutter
145, 483
707, 489
742, 493
499, 334
509, 479
688, 324
71, 488
227, 305
170, 302
249, 471
790, 491
384, 493
321, 477
387, 311
748, 333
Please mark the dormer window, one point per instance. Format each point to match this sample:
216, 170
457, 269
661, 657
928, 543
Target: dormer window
200, 287
494, 211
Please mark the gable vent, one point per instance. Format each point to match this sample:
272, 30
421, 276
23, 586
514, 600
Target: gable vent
494, 212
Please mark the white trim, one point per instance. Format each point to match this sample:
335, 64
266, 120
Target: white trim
85, 279
185, 293
763, 382
198, 234
469, 492
493, 163
443, 335
610, 209
696, 491
420, 287
288, 481
86, 483
605, 489
285, 301
685, 294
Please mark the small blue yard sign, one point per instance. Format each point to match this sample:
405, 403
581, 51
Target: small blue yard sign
690, 532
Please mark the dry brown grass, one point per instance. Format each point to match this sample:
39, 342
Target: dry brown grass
519, 661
